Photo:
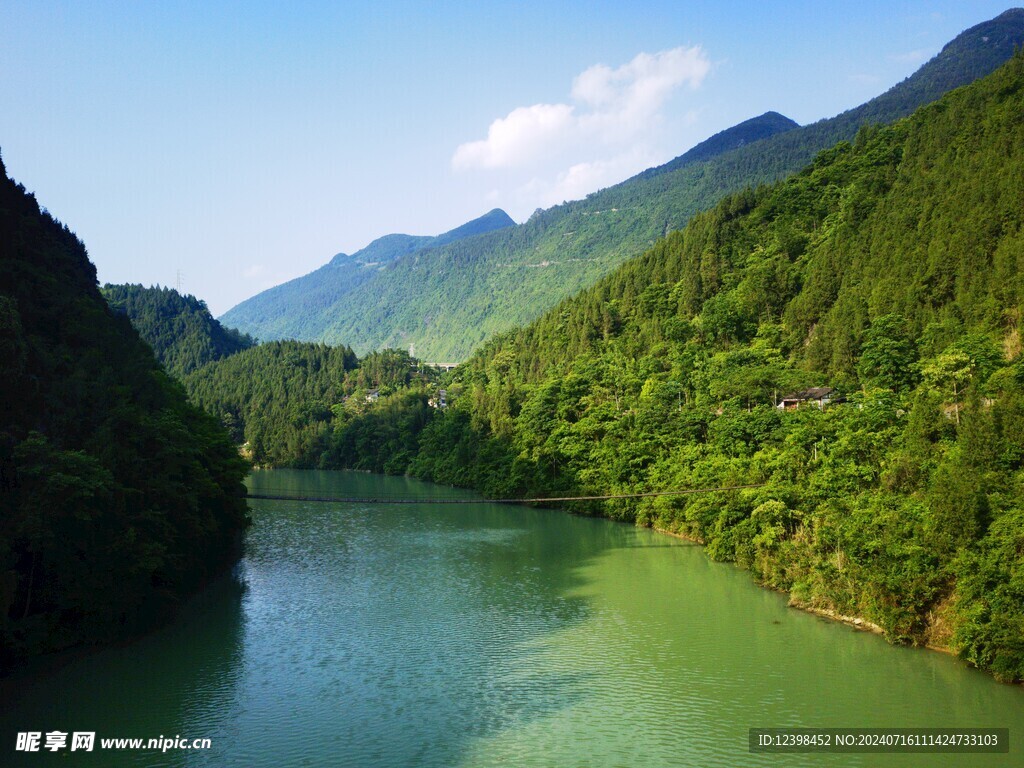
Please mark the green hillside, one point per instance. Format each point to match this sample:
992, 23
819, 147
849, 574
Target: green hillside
280, 399
303, 307
464, 292
449, 300
180, 329
891, 272
117, 498
747, 132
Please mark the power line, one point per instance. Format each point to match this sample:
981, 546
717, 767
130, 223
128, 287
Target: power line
273, 494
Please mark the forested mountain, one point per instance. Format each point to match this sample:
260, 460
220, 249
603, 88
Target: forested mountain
409, 277
747, 132
279, 398
889, 274
302, 308
180, 329
450, 299
117, 498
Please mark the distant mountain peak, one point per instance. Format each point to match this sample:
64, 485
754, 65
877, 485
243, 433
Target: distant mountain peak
747, 132
494, 219
390, 247
1010, 16
272, 312
498, 214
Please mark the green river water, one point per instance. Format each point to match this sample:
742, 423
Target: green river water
488, 635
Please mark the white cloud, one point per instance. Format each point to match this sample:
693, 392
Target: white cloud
623, 100
613, 109
523, 134
580, 179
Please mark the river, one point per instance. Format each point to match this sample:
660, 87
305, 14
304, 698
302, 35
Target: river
487, 635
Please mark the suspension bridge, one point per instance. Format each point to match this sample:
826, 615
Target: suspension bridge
283, 495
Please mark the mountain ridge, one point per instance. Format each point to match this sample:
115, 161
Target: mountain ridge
756, 128
312, 293
388, 247
386, 250
450, 299
453, 300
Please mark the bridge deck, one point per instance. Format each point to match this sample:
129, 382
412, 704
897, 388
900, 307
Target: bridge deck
282, 496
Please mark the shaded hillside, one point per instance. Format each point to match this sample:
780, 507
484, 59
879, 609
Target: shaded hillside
180, 329
303, 307
118, 498
889, 277
451, 299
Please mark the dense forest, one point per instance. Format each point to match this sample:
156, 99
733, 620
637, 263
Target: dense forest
449, 300
180, 329
117, 497
888, 275
279, 400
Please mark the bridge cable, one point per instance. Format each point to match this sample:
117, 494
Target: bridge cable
281, 496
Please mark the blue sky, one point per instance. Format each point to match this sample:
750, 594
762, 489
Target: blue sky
246, 143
